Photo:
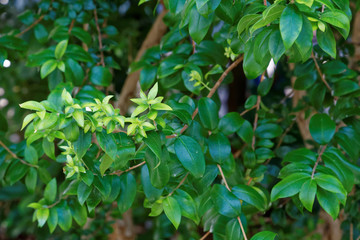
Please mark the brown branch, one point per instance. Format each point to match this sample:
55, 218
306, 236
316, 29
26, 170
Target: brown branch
71, 26
228, 188
215, 87
15, 156
102, 61
318, 160
36, 22
180, 183
205, 235
153, 38
247, 110
257, 114
127, 170
320, 73
284, 134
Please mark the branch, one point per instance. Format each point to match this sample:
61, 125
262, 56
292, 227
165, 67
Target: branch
15, 156
205, 235
318, 160
228, 188
215, 87
71, 26
102, 61
31, 26
127, 170
180, 183
284, 133
257, 114
320, 73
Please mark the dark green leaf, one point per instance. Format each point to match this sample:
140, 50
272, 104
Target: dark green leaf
208, 112
322, 128
249, 195
172, 211
289, 186
50, 191
225, 202
100, 76
291, 23
219, 147
326, 41
307, 194
127, 193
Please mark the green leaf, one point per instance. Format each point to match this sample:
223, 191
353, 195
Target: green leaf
329, 202
79, 213
161, 106
50, 191
269, 15
268, 130
48, 67
32, 105
304, 41
276, 46
100, 76
247, 21
249, 195
230, 123
41, 34
147, 77
345, 87
60, 49
307, 194
158, 168
153, 141
31, 155
289, 186
233, 230
187, 205
301, 155
264, 235
219, 147
49, 148
291, 23
64, 217
329, 183
208, 112
15, 172
322, 128
308, 3
52, 220
31, 179
74, 72
82, 144
172, 211
265, 86
105, 163
338, 19
225, 202
199, 25
190, 155
107, 143
326, 41
42, 215
246, 132
83, 192
127, 193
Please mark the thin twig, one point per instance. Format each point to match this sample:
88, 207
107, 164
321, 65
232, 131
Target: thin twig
36, 22
215, 87
284, 134
318, 160
258, 101
229, 189
351, 231
247, 110
102, 61
180, 183
320, 73
205, 235
127, 170
15, 156
71, 26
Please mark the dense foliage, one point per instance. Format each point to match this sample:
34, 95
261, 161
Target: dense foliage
268, 170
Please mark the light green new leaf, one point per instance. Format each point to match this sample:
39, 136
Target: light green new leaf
60, 49
32, 105
48, 67
42, 215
